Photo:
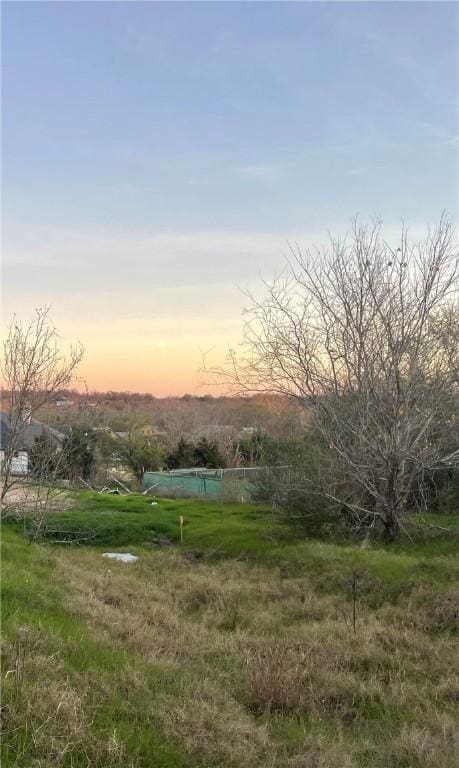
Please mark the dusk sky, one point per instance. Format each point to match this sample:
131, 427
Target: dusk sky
157, 157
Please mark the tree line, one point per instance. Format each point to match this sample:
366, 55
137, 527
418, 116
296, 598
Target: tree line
363, 335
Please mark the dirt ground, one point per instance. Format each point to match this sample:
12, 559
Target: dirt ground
24, 494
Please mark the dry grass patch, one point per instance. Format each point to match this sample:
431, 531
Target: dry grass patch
246, 646
43, 711
142, 614
211, 722
288, 679
436, 746
428, 610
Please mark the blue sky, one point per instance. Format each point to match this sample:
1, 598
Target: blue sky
158, 155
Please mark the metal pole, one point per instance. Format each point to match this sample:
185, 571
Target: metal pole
354, 598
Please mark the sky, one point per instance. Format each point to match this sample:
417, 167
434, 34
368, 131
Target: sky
158, 157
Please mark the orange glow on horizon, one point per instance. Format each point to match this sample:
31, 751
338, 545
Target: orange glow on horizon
161, 355
160, 371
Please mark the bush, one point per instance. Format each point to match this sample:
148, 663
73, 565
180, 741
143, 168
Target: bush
80, 452
292, 481
447, 496
205, 454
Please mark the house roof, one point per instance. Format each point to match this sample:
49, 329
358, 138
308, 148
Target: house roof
29, 434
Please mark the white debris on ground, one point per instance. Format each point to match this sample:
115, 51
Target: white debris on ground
124, 557
154, 503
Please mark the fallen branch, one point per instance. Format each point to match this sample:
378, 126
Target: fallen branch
77, 539
71, 541
151, 488
425, 524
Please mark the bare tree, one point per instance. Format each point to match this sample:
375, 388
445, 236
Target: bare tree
34, 368
365, 334
33, 501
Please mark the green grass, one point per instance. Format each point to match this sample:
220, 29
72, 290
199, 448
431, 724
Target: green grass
34, 598
119, 521
243, 659
254, 533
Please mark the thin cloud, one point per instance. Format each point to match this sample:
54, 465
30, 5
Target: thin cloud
261, 172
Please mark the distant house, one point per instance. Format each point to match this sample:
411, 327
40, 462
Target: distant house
64, 402
31, 430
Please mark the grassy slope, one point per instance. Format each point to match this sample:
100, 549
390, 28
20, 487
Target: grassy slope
244, 658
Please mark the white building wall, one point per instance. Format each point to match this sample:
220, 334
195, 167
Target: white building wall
20, 463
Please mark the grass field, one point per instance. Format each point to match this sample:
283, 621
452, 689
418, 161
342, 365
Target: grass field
234, 649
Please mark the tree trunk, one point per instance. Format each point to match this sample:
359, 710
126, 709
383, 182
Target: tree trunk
392, 525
